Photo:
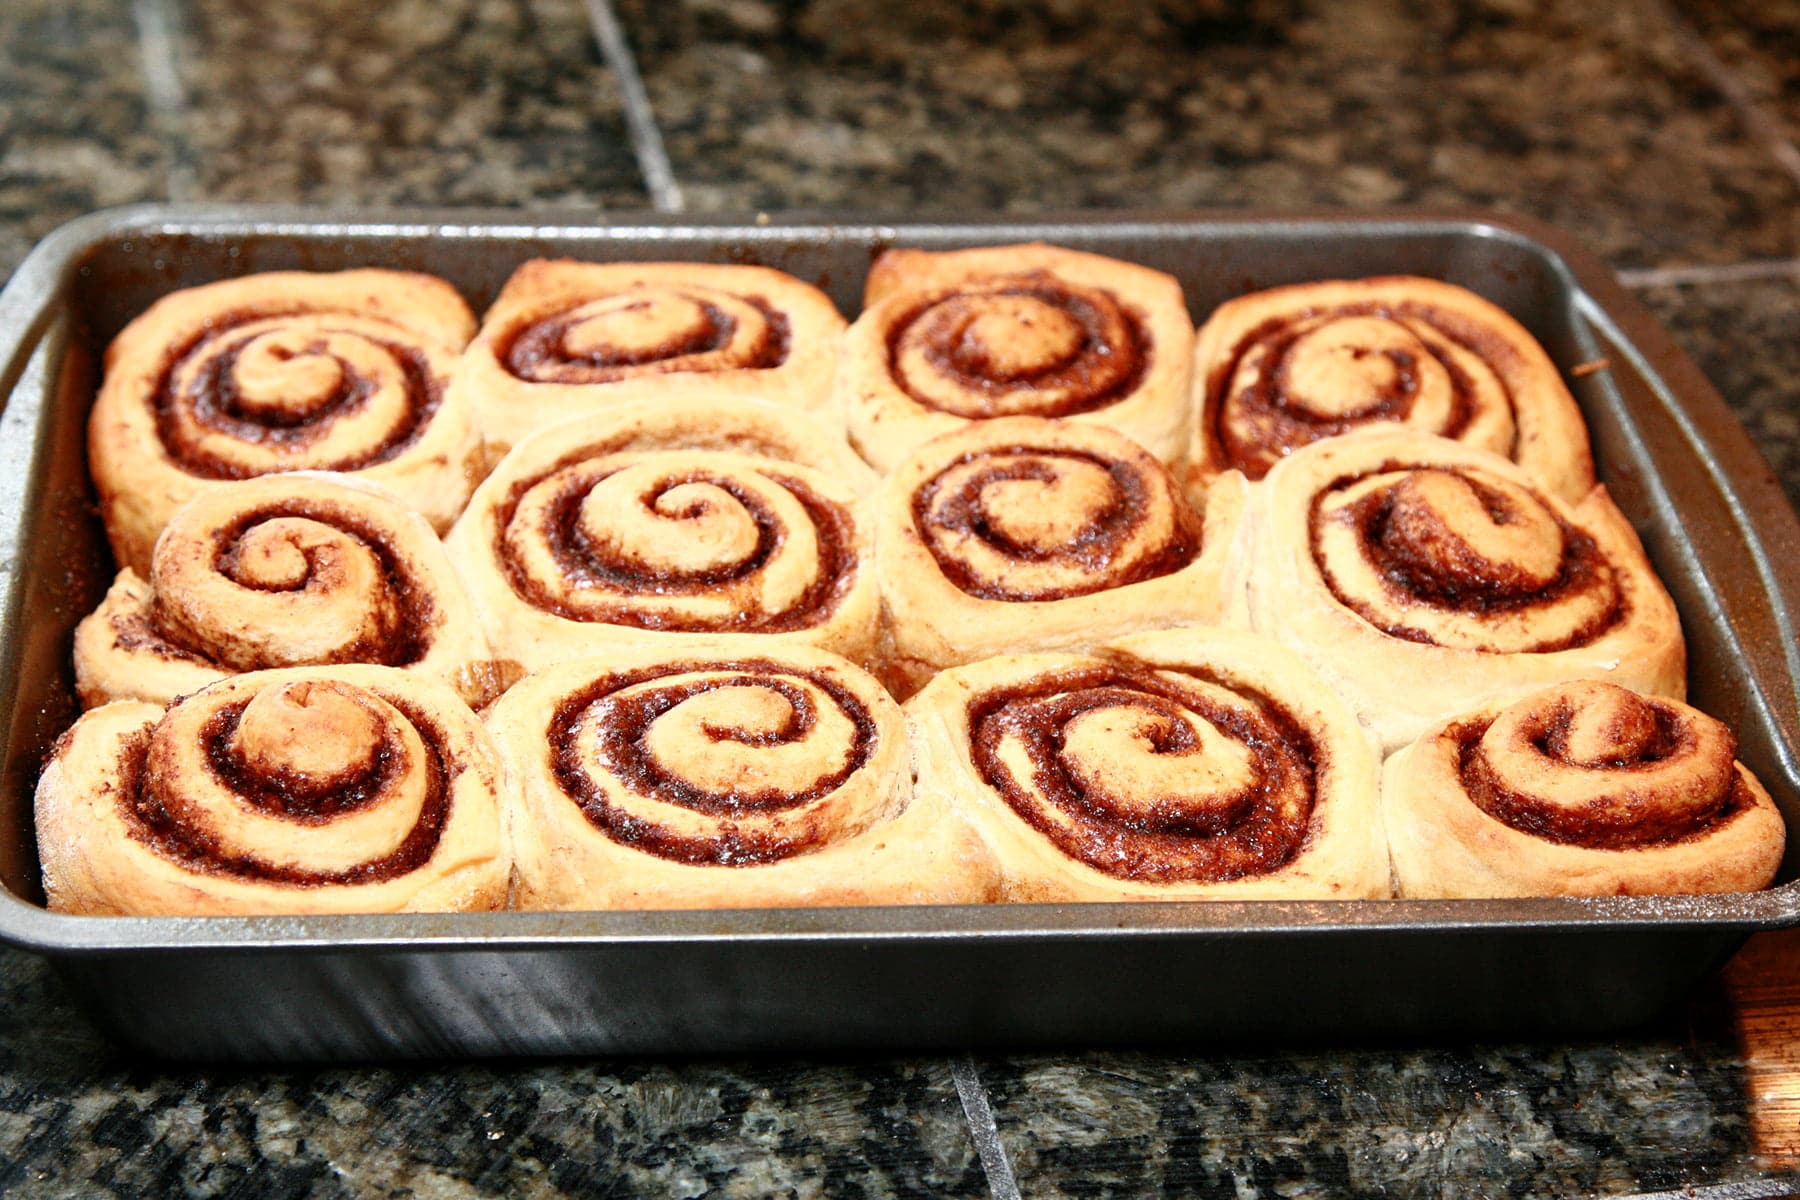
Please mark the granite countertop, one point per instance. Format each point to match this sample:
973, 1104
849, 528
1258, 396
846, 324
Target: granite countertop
1663, 135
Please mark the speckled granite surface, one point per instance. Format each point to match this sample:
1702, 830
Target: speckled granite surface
1611, 120
1586, 115
1746, 337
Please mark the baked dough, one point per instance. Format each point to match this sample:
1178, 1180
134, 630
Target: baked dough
284, 371
1022, 533
1281, 369
1185, 764
621, 529
567, 339
946, 339
348, 789
739, 774
1422, 577
299, 569
1583, 789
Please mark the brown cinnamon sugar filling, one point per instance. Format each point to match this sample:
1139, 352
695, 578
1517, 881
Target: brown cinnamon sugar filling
1405, 546
597, 582
1148, 777
566, 348
606, 727
1093, 539
199, 383
399, 619
1025, 345
1320, 372
1597, 766
303, 797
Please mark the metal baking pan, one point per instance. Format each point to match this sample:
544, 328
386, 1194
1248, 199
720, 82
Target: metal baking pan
1711, 514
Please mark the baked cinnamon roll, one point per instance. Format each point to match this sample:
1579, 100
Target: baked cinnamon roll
1180, 765
1281, 369
284, 371
589, 537
566, 339
1584, 789
312, 790
299, 569
737, 774
1021, 534
1423, 577
946, 339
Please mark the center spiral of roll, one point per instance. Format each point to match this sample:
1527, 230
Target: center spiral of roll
296, 583
257, 392
1037, 523
1463, 558
700, 541
646, 330
1295, 380
1152, 776
306, 782
723, 763
1030, 345
1596, 765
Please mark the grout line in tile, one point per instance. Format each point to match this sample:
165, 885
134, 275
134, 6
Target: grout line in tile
163, 91
1756, 118
640, 118
978, 1111
1743, 272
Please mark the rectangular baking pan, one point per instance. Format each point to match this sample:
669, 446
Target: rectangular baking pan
1711, 514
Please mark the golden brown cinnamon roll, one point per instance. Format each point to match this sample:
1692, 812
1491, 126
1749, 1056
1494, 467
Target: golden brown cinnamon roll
1022, 533
591, 536
284, 371
1281, 369
310, 790
566, 339
300, 569
946, 339
1584, 789
738, 774
1180, 765
1422, 577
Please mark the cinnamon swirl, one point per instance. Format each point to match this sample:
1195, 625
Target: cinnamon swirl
1423, 577
946, 339
1281, 369
1021, 533
566, 339
1583, 789
299, 569
1179, 765
737, 774
283, 372
588, 537
309, 790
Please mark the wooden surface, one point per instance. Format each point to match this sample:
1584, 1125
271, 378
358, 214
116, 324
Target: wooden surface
1763, 983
